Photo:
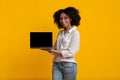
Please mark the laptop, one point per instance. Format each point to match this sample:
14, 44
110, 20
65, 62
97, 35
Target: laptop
41, 40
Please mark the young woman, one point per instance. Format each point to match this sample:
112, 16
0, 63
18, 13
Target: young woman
66, 45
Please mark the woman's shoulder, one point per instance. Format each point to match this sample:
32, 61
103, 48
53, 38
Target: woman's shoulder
75, 31
61, 31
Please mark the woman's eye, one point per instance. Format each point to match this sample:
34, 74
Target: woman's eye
65, 18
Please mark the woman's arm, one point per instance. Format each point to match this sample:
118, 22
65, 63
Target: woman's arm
73, 46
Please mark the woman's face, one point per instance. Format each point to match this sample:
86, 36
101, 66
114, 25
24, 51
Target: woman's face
65, 21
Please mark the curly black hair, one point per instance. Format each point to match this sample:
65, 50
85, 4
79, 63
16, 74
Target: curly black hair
72, 13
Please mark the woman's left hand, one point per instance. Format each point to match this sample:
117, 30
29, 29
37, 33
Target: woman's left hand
54, 51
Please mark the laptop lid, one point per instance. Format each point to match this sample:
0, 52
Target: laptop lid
41, 40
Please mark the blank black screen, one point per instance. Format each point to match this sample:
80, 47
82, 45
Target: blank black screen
40, 39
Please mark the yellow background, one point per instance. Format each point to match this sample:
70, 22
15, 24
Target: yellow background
99, 55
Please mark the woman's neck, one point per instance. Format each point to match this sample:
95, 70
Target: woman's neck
68, 28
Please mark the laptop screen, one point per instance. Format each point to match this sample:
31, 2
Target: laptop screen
40, 39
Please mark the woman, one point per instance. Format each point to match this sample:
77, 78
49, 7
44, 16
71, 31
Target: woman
66, 45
